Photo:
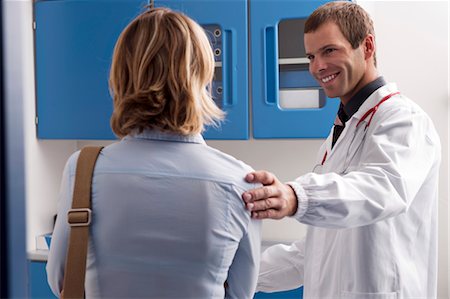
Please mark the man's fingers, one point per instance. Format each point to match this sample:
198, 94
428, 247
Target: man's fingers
267, 214
249, 177
260, 205
261, 176
253, 195
273, 203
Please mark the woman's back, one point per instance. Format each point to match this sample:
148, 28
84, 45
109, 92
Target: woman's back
168, 221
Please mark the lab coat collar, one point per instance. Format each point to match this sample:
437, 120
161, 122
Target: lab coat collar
374, 98
371, 101
166, 136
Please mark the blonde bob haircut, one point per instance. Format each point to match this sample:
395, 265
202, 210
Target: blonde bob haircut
161, 70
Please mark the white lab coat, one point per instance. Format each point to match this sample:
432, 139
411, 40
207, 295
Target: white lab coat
371, 211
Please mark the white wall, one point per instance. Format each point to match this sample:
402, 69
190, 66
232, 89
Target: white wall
412, 41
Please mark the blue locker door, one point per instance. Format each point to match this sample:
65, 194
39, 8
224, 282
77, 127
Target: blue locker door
279, 81
226, 24
74, 41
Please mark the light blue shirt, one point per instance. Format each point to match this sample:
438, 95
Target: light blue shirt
168, 222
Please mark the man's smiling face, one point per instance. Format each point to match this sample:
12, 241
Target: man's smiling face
337, 67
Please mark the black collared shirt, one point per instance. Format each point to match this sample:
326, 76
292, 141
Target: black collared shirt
347, 111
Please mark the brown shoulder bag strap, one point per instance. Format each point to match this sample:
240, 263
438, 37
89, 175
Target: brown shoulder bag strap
79, 218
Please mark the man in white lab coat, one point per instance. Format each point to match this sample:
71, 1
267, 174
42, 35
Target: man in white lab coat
371, 201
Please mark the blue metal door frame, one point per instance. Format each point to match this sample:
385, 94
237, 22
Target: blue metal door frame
13, 249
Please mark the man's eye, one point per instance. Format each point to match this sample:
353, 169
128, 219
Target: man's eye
310, 57
328, 51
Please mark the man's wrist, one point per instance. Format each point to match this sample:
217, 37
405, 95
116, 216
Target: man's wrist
301, 200
292, 201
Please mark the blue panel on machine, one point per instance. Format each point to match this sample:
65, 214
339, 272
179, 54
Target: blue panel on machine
226, 25
74, 45
287, 101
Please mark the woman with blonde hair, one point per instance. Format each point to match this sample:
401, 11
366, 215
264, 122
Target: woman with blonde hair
168, 221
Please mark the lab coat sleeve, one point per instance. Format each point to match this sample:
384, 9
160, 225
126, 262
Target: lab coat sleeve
60, 236
243, 272
282, 267
399, 150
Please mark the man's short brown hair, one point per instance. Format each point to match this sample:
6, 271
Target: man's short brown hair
353, 21
161, 69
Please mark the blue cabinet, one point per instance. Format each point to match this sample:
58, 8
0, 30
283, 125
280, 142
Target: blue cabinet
37, 281
74, 42
280, 76
293, 294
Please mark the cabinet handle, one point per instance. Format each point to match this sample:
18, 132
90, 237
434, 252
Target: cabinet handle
229, 68
271, 65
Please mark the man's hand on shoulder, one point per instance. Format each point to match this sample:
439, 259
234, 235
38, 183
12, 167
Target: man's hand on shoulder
274, 200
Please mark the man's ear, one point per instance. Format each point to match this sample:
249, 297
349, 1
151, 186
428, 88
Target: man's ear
369, 46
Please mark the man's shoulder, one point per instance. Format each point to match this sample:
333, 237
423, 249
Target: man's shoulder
402, 106
401, 112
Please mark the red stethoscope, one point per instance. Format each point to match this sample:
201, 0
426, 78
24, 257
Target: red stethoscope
370, 112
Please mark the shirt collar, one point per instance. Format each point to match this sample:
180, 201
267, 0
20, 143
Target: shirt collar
166, 136
358, 99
